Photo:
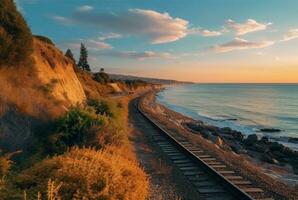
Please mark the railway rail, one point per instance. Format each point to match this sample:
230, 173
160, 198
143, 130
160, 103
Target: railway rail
212, 178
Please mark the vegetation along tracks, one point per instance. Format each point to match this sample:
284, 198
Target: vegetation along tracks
211, 177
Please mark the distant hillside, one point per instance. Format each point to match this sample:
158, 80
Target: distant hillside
148, 80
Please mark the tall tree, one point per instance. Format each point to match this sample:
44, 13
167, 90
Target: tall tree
69, 55
16, 40
83, 61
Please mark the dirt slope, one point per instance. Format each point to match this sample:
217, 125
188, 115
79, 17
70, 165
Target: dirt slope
46, 88
31, 94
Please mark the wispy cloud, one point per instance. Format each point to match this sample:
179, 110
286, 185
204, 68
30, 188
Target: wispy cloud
240, 44
95, 44
91, 44
85, 8
290, 35
249, 26
137, 55
108, 36
63, 20
204, 32
157, 27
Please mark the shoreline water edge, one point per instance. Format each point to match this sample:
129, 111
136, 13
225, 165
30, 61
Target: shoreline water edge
281, 160
231, 120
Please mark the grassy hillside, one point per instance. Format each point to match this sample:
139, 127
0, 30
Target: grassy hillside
99, 165
63, 135
84, 153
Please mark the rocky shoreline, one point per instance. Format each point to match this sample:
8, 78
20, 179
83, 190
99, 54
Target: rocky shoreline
234, 149
259, 148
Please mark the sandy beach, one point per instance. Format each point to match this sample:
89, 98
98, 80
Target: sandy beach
275, 178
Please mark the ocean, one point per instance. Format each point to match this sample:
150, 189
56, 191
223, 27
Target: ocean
247, 108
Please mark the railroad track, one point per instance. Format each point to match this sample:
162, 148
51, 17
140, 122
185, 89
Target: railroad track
212, 178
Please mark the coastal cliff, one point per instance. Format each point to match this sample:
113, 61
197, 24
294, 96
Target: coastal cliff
47, 87
42, 90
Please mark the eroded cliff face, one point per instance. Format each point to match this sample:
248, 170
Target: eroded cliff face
39, 92
47, 88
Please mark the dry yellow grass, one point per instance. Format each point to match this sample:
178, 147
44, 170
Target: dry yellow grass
90, 174
116, 130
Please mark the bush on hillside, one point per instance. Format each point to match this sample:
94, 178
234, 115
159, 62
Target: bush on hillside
102, 77
135, 83
88, 174
101, 107
115, 131
44, 39
77, 127
16, 43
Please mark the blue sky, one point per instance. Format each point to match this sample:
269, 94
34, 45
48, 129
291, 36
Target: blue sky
196, 40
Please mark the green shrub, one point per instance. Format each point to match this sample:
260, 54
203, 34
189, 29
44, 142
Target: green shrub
44, 39
49, 87
115, 131
101, 107
135, 83
77, 127
102, 77
16, 43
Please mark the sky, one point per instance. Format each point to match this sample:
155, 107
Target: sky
206, 41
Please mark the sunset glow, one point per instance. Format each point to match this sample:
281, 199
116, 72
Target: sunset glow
200, 41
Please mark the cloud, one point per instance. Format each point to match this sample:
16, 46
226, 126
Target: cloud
85, 8
137, 55
290, 35
249, 26
208, 33
94, 44
90, 44
156, 27
204, 32
63, 20
108, 36
240, 44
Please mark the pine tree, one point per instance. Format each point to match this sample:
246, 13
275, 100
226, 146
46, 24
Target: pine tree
69, 54
83, 61
16, 40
